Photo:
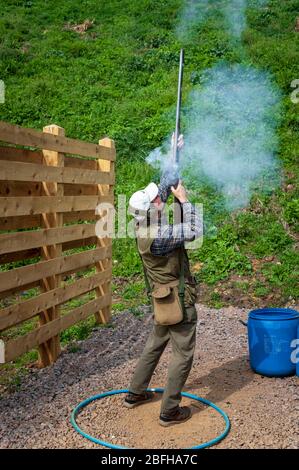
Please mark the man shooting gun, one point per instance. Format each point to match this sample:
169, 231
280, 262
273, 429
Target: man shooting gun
173, 294
169, 283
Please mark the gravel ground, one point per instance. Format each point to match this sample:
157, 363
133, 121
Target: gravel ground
264, 412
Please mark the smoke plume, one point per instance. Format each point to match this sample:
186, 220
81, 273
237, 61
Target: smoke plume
231, 132
230, 135
229, 123
233, 12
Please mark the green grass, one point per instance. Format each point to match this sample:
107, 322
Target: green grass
261, 290
119, 79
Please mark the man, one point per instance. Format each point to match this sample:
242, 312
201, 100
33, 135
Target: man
164, 259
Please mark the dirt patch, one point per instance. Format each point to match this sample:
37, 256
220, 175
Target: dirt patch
263, 411
79, 28
139, 427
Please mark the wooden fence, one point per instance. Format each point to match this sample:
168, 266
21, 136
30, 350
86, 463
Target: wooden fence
48, 195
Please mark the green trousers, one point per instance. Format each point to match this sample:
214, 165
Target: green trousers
182, 338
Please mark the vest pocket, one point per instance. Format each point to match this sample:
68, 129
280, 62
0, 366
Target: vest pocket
167, 305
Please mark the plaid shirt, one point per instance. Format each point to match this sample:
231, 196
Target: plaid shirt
171, 237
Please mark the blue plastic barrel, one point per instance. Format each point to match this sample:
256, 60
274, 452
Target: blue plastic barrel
296, 354
270, 334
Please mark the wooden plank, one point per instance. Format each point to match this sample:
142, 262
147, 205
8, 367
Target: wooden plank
14, 154
13, 206
26, 287
23, 344
19, 256
104, 315
10, 242
79, 243
35, 252
33, 221
70, 217
50, 350
32, 138
80, 189
38, 173
19, 188
82, 163
18, 313
34, 272
27, 221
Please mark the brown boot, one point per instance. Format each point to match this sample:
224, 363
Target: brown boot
175, 416
133, 399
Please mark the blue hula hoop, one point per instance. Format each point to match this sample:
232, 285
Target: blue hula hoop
86, 402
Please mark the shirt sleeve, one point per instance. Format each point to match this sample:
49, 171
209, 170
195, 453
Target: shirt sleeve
170, 237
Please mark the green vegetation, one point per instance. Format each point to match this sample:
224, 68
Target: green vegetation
118, 78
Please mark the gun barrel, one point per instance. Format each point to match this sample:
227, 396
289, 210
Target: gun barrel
178, 109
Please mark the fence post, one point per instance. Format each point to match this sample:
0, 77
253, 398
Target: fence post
50, 350
104, 315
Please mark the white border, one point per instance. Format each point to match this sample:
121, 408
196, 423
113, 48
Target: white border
2, 352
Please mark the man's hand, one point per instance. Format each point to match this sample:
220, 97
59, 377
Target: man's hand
180, 193
180, 141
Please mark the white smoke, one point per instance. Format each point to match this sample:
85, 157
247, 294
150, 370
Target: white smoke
230, 120
231, 132
233, 12
230, 136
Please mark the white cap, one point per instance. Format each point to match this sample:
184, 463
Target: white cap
140, 201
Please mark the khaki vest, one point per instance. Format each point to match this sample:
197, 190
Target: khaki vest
160, 269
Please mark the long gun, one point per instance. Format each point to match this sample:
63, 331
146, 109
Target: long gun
178, 109
170, 175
